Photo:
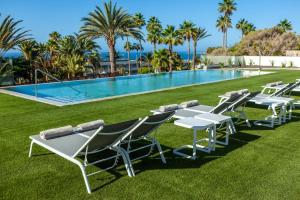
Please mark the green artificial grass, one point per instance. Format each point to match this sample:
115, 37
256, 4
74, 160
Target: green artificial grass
259, 163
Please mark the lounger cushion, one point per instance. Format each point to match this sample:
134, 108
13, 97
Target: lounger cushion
243, 91
274, 84
168, 108
188, 104
56, 132
89, 126
232, 93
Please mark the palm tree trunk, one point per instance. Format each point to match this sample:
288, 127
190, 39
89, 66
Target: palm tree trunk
129, 67
226, 39
170, 57
189, 51
154, 47
195, 54
112, 59
140, 52
223, 40
137, 61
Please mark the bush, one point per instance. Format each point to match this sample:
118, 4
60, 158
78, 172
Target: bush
145, 70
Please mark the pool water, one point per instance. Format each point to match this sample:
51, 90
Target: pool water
71, 92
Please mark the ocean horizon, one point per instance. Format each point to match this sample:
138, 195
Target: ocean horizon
122, 55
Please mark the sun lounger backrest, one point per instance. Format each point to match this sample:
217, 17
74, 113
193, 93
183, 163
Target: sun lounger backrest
283, 90
243, 100
224, 106
152, 123
111, 134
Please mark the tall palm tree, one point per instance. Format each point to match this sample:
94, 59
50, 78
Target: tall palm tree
223, 23
171, 37
241, 25
186, 29
127, 48
10, 34
138, 47
285, 25
197, 34
154, 29
227, 7
110, 23
139, 21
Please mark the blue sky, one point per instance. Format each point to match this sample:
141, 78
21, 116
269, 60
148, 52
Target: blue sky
64, 16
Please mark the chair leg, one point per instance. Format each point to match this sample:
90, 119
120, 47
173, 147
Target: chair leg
30, 149
163, 159
127, 162
86, 181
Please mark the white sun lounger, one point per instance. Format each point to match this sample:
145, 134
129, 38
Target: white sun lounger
108, 137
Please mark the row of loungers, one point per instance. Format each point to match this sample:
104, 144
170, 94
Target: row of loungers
78, 144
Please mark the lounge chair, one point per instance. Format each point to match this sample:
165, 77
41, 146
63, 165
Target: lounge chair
107, 137
141, 137
270, 88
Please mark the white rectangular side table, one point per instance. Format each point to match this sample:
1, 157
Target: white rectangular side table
197, 125
219, 120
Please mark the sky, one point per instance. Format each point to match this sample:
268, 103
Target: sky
64, 16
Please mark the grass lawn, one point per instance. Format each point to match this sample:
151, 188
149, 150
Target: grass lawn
259, 163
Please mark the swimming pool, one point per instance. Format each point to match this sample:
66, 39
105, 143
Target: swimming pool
72, 92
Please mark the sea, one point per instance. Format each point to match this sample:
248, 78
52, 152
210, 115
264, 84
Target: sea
105, 55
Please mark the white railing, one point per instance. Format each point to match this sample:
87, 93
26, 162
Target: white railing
52, 77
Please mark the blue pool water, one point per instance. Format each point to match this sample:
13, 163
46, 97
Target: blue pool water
85, 90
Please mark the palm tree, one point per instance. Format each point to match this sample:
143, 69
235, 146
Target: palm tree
245, 27
148, 58
137, 47
29, 49
241, 25
139, 21
127, 48
154, 29
52, 43
160, 59
249, 28
223, 23
186, 29
285, 25
110, 23
227, 7
197, 34
10, 34
171, 37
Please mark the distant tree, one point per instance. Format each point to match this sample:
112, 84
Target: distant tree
171, 37
128, 48
227, 7
197, 34
139, 21
154, 30
160, 60
186, 29
148, 58
245, 27
223, 23
285, 25
111, 23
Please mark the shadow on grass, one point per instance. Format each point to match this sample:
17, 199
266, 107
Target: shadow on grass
176, 162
